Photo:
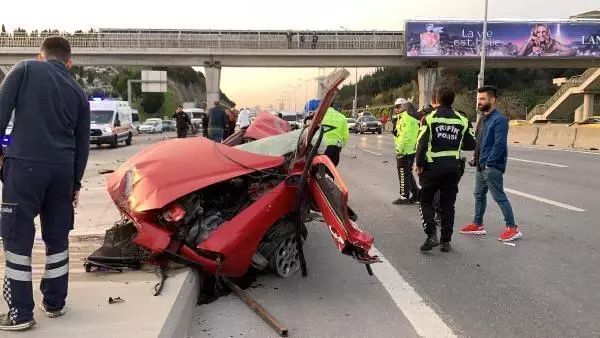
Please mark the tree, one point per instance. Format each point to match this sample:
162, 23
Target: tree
152, 102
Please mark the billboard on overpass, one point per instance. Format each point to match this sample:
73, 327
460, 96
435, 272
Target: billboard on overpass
449, 39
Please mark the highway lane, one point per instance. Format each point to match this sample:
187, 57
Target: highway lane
544, 286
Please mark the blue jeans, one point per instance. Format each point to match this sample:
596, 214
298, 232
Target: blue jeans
491, 179
215, 134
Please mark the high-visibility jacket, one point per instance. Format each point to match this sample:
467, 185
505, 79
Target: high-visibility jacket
337, 123
406, 132
445, 135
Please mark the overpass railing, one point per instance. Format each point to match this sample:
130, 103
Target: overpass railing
573, 82
215, 40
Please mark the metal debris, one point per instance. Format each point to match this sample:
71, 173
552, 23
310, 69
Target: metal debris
115, 300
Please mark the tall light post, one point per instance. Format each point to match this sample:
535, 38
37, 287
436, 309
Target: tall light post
294, 87
481, 76
306, 81
355, 101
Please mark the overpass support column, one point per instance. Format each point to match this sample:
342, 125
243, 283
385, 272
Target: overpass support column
427, 75
588, 105
212, 73
578, 114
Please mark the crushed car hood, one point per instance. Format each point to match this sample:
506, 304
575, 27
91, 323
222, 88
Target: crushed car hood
170, 169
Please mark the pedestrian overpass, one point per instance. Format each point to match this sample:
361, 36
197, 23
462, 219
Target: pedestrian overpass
215, 49
574, 96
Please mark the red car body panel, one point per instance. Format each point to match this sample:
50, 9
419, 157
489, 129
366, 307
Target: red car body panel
265, 125
238, 239
174, 168
342, 229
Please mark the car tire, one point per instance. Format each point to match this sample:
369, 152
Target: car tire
128, 140
379, 132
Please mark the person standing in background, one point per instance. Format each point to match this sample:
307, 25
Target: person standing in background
217, 122
405, 140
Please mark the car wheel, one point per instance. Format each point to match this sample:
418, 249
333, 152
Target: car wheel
128, 140
379, 132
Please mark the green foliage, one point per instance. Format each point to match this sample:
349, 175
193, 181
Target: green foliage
153, 102
170, 104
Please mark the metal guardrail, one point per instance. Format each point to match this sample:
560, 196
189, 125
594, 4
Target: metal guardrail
573, 82
218, 40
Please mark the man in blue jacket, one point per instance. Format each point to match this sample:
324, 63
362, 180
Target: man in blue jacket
491, 154
43, 166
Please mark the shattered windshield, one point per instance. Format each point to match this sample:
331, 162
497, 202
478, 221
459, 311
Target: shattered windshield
278, 145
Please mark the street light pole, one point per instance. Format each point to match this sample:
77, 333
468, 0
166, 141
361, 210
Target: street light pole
481, 77
355, 101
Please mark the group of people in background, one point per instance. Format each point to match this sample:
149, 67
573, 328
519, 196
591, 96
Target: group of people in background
217, 125
430, 142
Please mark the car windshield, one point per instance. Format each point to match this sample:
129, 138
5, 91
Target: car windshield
151, 123
101, 116
289, 117
351, 121
369, 119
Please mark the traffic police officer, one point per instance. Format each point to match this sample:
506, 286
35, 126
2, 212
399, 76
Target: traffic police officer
183, 122
336, 134
438, 164
43, 166
406, 131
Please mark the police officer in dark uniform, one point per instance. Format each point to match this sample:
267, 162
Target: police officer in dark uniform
438, 163
183, 122
43, 166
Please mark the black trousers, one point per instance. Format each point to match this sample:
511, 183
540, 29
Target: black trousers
445, 182
407, 179
30, 189
333, 152
181, 133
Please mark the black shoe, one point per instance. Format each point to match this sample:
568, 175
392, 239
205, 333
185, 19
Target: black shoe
430, 243
402, 201
7, 324
414, 199
445, 247
52, 313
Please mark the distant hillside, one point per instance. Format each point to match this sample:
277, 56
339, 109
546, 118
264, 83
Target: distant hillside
521, 89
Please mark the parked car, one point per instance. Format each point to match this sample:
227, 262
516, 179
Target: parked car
368, 123
168, 125
351, 124
152, 126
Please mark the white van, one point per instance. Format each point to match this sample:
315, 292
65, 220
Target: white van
111, 123
196, 115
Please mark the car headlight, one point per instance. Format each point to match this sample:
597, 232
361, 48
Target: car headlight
379, 124
108, 129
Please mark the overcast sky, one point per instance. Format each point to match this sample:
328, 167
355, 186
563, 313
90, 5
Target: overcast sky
250, 86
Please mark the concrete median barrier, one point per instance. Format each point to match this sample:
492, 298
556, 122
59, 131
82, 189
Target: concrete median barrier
557, 136
587, 138
523, 134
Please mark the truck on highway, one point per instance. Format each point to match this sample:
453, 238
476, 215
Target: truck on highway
110, 122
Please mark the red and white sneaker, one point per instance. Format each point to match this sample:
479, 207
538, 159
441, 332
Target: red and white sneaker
473, 229
510, 234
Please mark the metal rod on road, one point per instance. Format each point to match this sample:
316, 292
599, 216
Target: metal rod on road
257, 308
481, 77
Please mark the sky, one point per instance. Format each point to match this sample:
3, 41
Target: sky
264, 86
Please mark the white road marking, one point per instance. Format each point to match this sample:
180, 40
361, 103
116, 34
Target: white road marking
424, 320
551, 149
371, 152
544, 200
536, 162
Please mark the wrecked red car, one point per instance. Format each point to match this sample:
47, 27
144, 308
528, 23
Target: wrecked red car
224, 208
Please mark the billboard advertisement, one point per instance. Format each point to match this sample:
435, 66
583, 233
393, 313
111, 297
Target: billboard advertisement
446, 39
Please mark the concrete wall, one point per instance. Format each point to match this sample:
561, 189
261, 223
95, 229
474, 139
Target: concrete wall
561, 136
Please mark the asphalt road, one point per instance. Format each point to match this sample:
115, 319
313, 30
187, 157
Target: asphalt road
544, 286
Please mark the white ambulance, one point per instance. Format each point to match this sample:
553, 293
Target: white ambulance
110, 122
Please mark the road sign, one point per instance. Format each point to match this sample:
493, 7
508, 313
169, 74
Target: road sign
154, 81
